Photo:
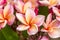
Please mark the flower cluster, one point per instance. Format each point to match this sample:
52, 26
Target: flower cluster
26, 12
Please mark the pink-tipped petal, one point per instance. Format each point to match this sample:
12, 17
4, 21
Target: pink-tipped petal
55, 33
2, 2
55, 29
30, 14
27, 5
38, 20
11, 19
21, 18
58, 18
8, 10
2, 25
49, 19
22, 27
56, 11
44, 2
19, 6
55, 23
33, 30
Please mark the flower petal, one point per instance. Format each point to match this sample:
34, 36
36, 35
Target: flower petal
45, 25
55, 26
30, 14
19, 6
58, 18
55, 33
38, 20
55, 23
3, 24
21, 18
22, 27
8, 10
1, 13
33, 30
27, 5
53, 2
49, 19
44, 2
44, 30
56, 11
11, 19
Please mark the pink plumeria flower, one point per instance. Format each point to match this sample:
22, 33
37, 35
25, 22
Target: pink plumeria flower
52, 27
21, 6
6, 16
30, 21
2, 3
57, 13
43, 38
50, 3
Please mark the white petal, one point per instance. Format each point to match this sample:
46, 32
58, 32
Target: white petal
21, 18
55, 33
22, 27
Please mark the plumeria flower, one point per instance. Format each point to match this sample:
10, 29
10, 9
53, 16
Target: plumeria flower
30, 21
57, 13
21, 6
6, 16
43, 38
50, 3
51, 27
2, 3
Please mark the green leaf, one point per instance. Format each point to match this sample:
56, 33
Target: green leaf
24, 33
43, 10
8, 34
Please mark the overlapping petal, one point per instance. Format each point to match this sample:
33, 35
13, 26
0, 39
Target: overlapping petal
56, 11
19, 6
8, 10
21, 18
10, 19
27, 5
33, 29
22, 27
30, 14
38, 20
49, 3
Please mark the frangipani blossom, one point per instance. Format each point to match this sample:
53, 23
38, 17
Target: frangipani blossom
50, 3
21, 7
57, 13
30, 21
52, 27
6, 16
